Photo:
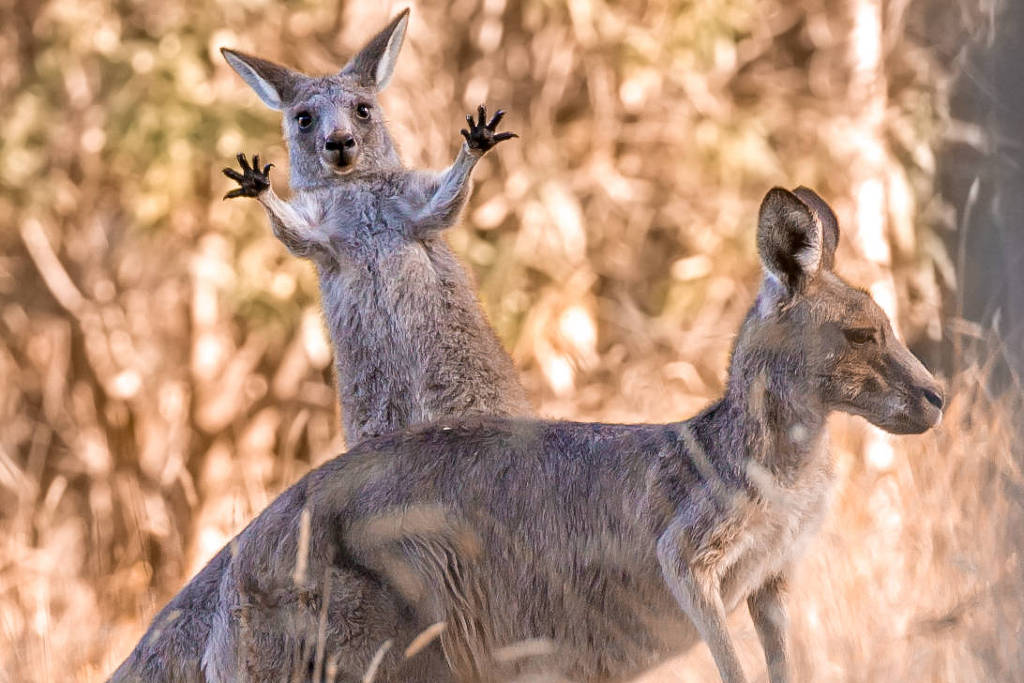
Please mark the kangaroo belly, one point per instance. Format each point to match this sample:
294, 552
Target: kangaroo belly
610, 625
374, 363
461, 367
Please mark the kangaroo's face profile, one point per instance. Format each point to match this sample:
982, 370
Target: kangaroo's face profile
834, 334
870, 371
333, 124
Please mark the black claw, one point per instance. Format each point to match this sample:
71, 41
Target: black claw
481, 134
252, 180
496, 119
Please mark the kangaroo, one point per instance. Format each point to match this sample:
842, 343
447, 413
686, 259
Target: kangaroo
410, 340
411, 343
613, 546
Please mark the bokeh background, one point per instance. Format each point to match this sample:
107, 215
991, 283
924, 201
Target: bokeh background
164, 373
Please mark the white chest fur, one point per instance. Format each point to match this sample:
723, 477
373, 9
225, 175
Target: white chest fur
777, 529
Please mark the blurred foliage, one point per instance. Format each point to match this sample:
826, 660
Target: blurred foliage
166, 372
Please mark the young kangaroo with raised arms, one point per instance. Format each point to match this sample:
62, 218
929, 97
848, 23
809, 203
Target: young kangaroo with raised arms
618, 545
411, 343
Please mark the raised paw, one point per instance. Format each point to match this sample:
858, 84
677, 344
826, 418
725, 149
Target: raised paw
481, 136
253, 181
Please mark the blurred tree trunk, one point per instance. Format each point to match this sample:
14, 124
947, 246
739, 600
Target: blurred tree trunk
869, 159
983, 178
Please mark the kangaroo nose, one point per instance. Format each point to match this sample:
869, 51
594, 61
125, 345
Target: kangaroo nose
340, 151
340, 142
933, 397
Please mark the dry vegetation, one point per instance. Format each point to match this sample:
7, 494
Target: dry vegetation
164, 370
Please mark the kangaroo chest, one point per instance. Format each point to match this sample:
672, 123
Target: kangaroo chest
401, 318
774, 532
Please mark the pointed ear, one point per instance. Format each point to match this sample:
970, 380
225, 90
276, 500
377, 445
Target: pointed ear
276, 85
789, 240
375, 63
829, 224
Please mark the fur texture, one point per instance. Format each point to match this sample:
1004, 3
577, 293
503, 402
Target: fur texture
607, 548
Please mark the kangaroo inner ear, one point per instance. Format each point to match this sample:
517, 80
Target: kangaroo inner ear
789, 239
374, 65
829, 224
276, 85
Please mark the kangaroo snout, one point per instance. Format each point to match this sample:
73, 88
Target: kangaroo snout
933, 396
340, 151
931, 401
927, 398
920, 407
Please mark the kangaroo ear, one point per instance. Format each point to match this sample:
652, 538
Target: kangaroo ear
275, 84
789, 239
829, 224
375, 63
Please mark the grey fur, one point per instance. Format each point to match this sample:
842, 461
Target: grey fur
617, 545
411, 343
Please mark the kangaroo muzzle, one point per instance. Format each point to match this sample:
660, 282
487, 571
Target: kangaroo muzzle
923, 397
930, 401
340, 151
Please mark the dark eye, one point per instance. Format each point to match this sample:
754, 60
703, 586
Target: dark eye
363, 110
304, 119
859, 335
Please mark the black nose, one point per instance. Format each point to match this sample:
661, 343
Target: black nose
933, 397
340, 143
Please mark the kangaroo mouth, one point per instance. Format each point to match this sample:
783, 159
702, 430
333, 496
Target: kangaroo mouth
915, 419
931, 414
340, 162
899, 415
341, 170
909, 425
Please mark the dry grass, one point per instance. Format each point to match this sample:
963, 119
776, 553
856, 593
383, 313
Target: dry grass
165, 374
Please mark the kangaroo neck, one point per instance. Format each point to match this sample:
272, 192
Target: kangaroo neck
772, 418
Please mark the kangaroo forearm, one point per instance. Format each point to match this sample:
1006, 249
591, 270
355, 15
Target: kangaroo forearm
698, 596
289, 226
768, 612
449, 197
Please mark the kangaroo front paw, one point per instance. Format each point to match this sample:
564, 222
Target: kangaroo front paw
481, 136
253, 181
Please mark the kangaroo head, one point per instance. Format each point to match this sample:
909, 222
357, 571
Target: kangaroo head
333, 124
811, 324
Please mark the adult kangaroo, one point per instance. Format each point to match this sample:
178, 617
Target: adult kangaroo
618, 546
411, 342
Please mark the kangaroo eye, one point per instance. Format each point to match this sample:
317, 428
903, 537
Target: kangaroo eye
859, 335
304, 119
363, 110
